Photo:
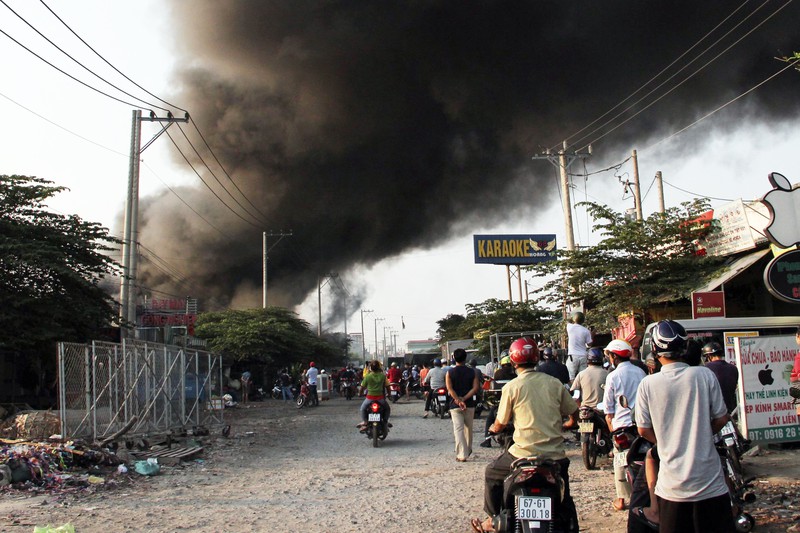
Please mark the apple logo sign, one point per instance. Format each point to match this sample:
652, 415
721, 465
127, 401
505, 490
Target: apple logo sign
783, 203
765, 376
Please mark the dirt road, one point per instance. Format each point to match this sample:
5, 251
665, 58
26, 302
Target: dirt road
309, 470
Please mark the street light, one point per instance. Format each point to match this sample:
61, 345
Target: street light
364, 336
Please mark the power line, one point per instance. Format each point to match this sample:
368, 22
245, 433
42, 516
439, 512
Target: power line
696, 194
107, 62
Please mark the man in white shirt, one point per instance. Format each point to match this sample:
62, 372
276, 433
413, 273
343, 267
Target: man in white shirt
578, 337
311, 376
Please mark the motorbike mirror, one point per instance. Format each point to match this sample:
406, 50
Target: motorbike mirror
576, 394
623, 401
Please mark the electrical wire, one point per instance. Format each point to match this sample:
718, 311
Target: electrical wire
107, 62
695, 194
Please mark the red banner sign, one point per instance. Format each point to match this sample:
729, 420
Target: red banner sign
708, 304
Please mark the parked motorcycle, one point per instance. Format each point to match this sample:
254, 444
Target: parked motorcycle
533, 496
394, 392
441, 403
729, 448
377, 423
301, 398
594, 434
277, 390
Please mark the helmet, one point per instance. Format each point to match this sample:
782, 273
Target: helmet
505, 360
547, 353
620, 348
393, 365
322, 371
415, 367
668, 339
311, 364
595, 356
473, 362
523, 351
437, 362
712, 349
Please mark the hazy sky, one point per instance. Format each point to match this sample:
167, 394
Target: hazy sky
386, 135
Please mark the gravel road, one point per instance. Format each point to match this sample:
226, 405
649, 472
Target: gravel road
309, 470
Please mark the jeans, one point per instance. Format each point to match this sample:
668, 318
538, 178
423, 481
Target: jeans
365, 408
287, 393
313, 399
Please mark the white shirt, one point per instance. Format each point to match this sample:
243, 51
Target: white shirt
311, 374
579, 336
623, 381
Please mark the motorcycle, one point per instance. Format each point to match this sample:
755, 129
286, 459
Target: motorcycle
414, 388
441, 403
623, 438
729, 448
377, 423
394, 392
533, 496
301, 399
347, 388
277, 390
594, 435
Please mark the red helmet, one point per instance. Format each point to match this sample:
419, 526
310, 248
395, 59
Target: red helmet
311, 364
523, 350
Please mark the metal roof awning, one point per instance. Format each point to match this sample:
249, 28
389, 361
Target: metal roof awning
735, 268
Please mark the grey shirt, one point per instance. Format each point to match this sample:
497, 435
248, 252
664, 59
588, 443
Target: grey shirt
436, 377
679, 403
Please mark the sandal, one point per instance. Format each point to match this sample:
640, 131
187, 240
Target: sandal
638, 513
477, 526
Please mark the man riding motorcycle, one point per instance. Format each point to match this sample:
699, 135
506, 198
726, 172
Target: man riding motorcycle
536, 403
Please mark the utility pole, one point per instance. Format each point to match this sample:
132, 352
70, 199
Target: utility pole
280, 234
563, 160
130, 256
660, 187
320, 284
364, 335
637, 191
376, 335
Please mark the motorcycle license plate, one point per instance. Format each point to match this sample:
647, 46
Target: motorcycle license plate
534, 508
621, 459
585, 427
374, 417
442, 398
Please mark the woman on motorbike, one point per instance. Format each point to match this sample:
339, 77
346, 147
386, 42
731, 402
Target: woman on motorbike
377, 385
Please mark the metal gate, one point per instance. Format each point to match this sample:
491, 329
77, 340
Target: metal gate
146, 387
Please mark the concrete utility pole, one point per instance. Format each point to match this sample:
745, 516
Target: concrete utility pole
364, 335
321, 281
266, 250
127, 297
563, 160
637, 191
660, 187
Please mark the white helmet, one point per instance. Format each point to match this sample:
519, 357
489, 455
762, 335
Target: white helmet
620, 348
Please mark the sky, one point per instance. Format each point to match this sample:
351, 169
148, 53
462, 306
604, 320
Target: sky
385, 136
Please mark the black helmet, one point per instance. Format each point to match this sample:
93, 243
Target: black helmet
547, 353
437, 362
473, 362
668, 339
712, 349
595, 356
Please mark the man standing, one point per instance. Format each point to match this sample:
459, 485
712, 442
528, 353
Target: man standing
463, 385
579, 337
536, 403
286, 385
680, 409
311, 377
619, 399
727, 374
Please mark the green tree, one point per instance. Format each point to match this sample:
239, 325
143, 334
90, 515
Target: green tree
492, 316
274, 336
51, 269
636, 266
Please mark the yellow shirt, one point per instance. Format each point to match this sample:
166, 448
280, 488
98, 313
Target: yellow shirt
537, 402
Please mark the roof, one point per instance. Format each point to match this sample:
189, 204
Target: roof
733, 269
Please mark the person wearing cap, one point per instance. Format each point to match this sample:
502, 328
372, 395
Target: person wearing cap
311, 378
619, 400
579, 338
535, 403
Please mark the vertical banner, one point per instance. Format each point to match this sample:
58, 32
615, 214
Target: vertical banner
765, 365
730, 342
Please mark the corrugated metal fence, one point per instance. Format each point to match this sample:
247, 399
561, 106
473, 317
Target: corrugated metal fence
154, 388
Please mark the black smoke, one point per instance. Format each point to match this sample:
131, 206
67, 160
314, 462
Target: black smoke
370, 128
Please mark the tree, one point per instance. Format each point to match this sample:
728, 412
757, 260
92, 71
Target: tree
51, 269
492, 316
273, 336
637, 265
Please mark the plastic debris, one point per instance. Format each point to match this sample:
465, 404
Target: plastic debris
149, 467
66, 528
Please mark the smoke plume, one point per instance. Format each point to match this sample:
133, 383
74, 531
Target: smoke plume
373, 128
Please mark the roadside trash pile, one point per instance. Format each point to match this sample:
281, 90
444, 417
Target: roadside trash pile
33, 462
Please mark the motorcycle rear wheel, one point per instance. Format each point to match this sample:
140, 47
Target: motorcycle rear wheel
349, 393
301, 401
276, 395
375, 436
589, 453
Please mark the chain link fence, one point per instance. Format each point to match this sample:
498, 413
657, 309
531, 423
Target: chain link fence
137, 388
